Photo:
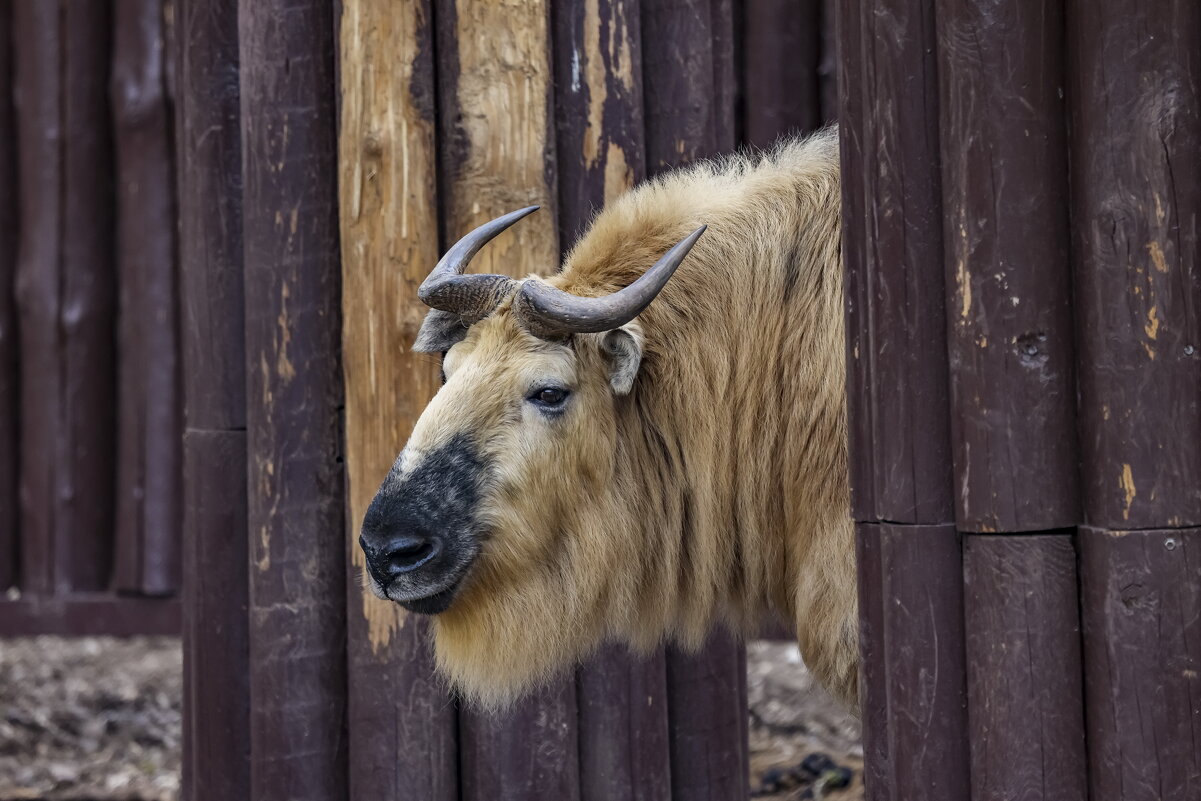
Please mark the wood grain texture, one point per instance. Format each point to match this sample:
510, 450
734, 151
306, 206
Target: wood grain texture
496, 140
900, 438
1141, 607
402, 723
149, 466
922, 591
10, 402
216, 734
1136, 272
1025, 686
781, 50
66, 294
621, 698
294, 398
1008, 287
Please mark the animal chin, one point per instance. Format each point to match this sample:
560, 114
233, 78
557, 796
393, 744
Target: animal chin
431, 604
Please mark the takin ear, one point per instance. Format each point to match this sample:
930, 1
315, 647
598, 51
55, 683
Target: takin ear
623, 348
440, 332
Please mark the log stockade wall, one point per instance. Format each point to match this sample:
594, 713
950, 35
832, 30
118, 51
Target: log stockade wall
90, 377
328, 154
1024, 384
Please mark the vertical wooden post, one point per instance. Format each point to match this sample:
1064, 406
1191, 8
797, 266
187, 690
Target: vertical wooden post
1009, 310
781, 52
497, 155
1136, 134
148, 452
402, 723
910, 568
216, 753
65, 294
689, 106
9, 388
622, 699
294, 399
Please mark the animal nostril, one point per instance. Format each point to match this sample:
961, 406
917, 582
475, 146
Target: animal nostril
407, 553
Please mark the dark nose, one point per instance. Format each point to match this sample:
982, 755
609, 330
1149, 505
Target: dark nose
399, 555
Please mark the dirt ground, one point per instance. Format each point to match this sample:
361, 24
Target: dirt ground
98, 719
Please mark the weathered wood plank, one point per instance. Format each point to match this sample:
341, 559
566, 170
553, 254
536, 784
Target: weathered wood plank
10, 398
216, 695
679, 82
1008, 287
900, 438
294, 398
1137, 277
401, 720
216, 742
1024, 673
1141, 606
65, 294
873, 679
923, 644
781, 54
621, 698
497, 154
149, 467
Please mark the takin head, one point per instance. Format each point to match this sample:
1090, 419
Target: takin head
506, 486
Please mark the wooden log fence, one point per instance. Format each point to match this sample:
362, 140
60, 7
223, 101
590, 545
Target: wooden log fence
1021, 301
1023, 375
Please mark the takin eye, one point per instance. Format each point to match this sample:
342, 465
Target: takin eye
549, 398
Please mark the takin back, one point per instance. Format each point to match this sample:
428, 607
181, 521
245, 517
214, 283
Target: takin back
600, 467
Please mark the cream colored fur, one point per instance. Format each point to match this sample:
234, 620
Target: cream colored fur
716, 490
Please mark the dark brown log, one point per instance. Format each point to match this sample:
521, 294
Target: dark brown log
922, 591
1137, 276
781, 55
827, 65
527, 752
725, 75
679, 82
1025, 689
623, 731
216, 666
9, 388
1141, 606
65, 294
216, 741
900, 440
855, 280
89, 615
621, 698
149, 469
873, 678
707, 707
1008, 288
294, 394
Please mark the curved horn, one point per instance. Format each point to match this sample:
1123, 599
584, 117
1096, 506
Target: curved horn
548, 312
470, 296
